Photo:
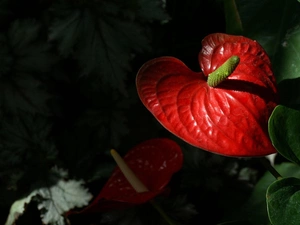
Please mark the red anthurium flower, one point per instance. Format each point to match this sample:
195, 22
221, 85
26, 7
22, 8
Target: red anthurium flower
153, 162
227, 115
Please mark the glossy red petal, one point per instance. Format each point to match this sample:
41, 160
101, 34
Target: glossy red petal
230, 119
154, 162
254, 66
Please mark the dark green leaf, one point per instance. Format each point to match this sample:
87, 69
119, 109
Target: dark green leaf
275, 25
151, 10
31, 53
233, 20
286, 62
26, 147
283, 200
284, 132
67, 31
103, 37
25, 59
107, 49
25, 93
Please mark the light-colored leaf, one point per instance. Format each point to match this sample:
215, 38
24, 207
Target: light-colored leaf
60, 198
53, 201
18, 208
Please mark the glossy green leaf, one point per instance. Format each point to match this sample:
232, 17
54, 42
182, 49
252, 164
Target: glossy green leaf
286, 62
284, 132
275, 25
255, 208
283, 201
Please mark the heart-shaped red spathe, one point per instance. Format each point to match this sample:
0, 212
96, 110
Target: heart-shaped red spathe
230, 119
154, 162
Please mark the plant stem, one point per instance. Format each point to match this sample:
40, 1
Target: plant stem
270, 168
162, 213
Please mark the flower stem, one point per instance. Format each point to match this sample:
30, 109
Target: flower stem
270, 168
162, 213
